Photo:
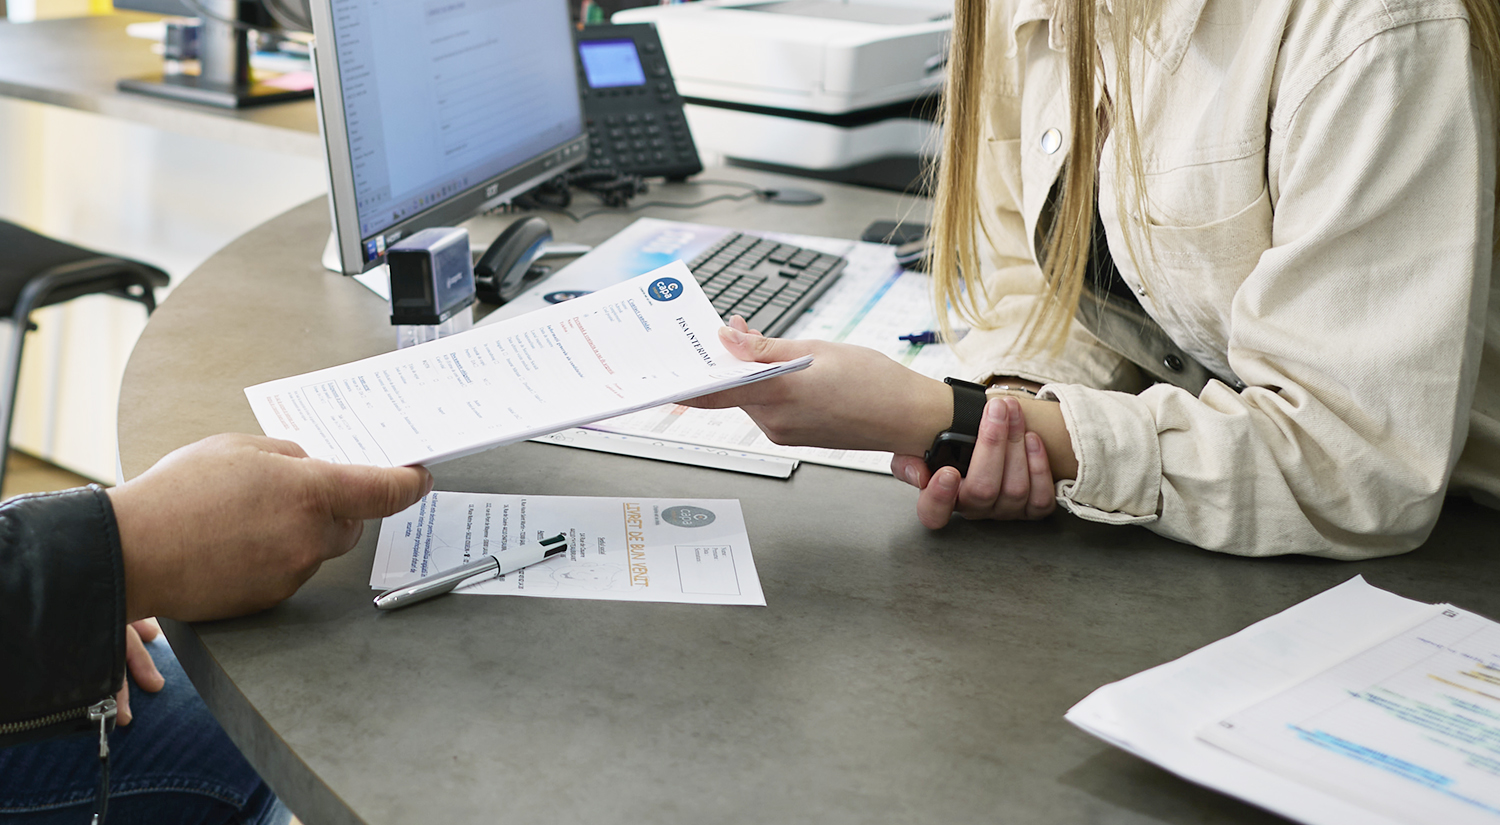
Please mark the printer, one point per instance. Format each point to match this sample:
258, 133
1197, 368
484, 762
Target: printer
836, 89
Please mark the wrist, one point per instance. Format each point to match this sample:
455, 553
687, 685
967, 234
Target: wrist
933, 414
143, 578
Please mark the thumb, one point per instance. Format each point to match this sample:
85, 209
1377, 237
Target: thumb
363, 492
760, 349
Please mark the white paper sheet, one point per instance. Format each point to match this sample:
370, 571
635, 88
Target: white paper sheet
1409, 727
1156, 714
693, 551
650, 340
872, 305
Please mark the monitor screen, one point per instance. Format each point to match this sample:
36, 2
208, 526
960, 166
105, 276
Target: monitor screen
611, 63
434, 110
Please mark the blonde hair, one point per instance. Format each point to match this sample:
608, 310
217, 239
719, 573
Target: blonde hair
1065, 256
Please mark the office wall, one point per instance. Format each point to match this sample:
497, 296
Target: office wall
124, 189
25, 10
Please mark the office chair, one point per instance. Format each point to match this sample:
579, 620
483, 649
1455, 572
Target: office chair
38, 271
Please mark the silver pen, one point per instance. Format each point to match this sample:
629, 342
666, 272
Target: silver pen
440, 583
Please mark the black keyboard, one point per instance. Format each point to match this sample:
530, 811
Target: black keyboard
769, 284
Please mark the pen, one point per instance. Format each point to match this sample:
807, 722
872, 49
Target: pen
440, 583
919, 338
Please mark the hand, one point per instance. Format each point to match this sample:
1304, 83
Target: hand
851, 398
235, 523
1010, 476
140, 664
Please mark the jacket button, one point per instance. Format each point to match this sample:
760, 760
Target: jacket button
1172, 362
1051, 141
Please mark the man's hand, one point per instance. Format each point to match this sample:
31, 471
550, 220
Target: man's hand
851, 398
140, 664
1009, 476
235, 523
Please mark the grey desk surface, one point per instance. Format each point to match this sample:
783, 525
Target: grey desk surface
895, 675
75, 63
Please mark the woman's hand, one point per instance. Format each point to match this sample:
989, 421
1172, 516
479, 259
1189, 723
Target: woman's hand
1010, 476
851, 398
140, 664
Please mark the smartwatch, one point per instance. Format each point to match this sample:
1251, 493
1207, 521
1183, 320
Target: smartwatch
954, 446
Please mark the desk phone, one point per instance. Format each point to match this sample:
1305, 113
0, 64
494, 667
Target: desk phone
630, 104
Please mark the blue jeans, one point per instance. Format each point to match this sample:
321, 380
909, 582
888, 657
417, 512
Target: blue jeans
172, 764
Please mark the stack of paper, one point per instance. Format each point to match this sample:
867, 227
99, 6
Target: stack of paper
1354, 706
648, 341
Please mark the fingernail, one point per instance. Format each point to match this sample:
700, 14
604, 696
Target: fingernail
1033, 443
730, 335
911, 477
947, 481
994, 410
1015, 413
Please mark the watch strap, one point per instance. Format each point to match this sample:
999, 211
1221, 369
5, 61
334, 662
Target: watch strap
954, 446
968, 406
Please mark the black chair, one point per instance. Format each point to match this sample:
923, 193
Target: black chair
38, 271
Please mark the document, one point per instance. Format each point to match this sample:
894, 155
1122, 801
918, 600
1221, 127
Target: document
693, 551
1356, 705
872, 304
647, 341
1409, 727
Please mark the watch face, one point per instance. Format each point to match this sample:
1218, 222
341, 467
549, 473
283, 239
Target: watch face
951, 449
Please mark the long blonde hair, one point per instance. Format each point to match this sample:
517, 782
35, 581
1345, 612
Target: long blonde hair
954, 243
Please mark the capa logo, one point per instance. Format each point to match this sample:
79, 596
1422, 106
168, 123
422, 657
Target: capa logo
664, 289
686, 515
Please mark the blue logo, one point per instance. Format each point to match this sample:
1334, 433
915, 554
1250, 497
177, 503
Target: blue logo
664, 289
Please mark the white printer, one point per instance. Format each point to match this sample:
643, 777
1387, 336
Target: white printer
838, 89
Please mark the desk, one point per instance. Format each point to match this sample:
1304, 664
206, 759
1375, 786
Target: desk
896, 675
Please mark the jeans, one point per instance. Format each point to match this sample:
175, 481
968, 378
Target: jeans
172, 764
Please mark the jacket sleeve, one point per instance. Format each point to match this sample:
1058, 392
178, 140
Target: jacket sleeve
1358, 332
62, 612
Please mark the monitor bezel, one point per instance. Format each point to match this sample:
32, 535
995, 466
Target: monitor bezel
347, 240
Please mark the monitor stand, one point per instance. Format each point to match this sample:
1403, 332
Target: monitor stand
377, 280
224, 78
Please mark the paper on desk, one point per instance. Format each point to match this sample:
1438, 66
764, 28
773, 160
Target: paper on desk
1156, 714
1409, 727
693, 551
650, 340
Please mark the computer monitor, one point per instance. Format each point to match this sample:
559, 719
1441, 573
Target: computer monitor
433, 111
223, 77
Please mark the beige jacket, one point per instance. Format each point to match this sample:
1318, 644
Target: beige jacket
1321, 178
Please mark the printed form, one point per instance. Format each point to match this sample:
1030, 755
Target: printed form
1356, 705
872, 304
647, 341
1410, 727
693, 551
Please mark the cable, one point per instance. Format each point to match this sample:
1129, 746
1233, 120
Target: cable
615, 190
739, 183
622, 210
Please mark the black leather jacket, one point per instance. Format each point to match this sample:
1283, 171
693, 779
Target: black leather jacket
62, 613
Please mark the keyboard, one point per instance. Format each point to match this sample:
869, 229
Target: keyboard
767, 283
